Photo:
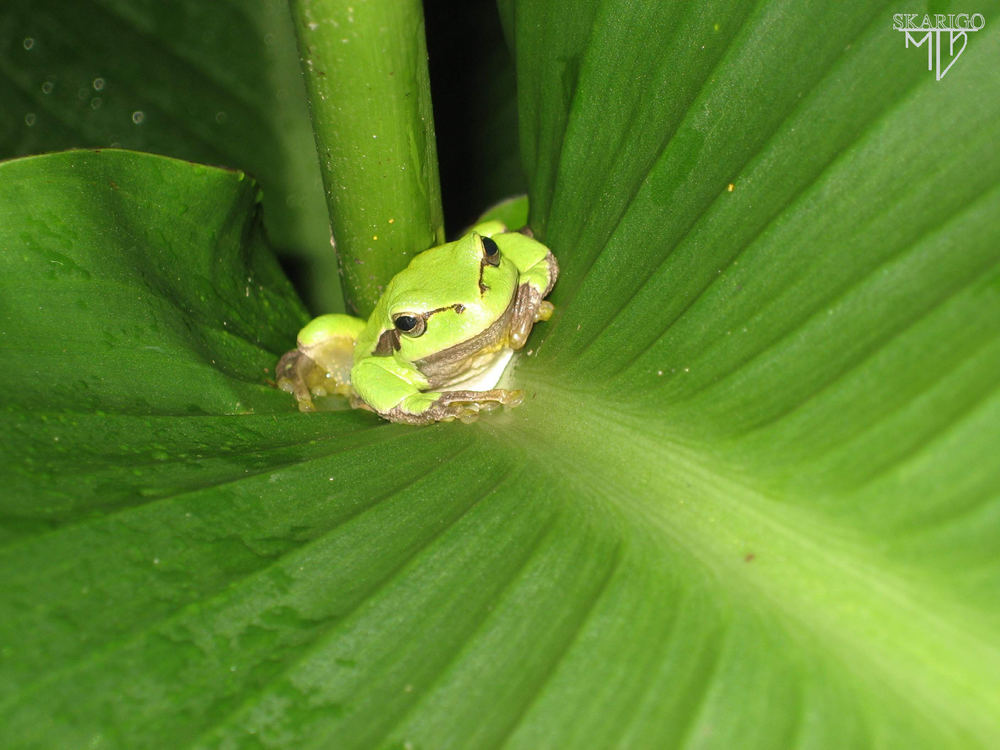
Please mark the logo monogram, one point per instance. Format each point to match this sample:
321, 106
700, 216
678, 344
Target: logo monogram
927, 29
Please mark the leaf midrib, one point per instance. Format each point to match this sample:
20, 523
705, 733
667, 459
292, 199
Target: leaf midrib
824, 583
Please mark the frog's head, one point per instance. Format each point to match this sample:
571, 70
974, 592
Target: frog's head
447, 295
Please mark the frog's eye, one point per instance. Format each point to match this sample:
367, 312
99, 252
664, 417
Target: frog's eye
491, 253
411, 325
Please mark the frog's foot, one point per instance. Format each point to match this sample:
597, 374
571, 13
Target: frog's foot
321, 365
464, 406
302, 376
294, 373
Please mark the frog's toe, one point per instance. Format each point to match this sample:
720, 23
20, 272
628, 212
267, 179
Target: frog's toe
480, 401
468, 413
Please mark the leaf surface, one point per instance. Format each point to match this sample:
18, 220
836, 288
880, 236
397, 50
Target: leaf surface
217, 83
750, 501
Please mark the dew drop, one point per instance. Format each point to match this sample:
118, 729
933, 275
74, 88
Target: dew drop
221, 117
29, 119
138, 117
47, 87
28, 42
98, 84
95, 103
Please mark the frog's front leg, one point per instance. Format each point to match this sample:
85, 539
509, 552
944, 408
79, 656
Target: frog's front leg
393, 390
538, 271
530, 305
529, 308
321, 365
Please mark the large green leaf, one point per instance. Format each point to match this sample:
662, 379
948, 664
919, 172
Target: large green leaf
209, 82
751, 500
217, 83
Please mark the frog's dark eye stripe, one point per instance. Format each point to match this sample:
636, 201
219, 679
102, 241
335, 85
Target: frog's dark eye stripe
491, 257
491, 252
411, 325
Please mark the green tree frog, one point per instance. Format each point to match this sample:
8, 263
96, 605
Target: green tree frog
440, 336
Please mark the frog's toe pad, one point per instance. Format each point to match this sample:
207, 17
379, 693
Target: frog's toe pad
545, 310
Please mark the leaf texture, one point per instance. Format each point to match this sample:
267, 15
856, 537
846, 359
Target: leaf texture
750, 500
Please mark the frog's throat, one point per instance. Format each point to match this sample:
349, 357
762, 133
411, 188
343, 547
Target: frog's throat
472, 358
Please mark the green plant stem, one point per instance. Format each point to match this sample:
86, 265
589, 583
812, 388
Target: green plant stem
365, 66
